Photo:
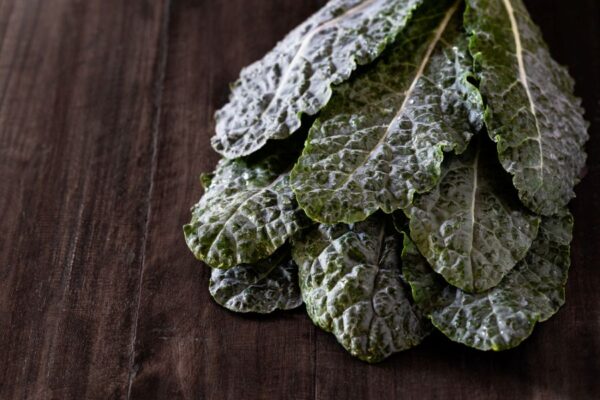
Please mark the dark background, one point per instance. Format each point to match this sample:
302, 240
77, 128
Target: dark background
106, 109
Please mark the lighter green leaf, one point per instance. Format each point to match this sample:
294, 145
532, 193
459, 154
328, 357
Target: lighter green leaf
502, 317
247, 213
532, 113
296, 76
471, 227
264, 287
382, 137
350, 282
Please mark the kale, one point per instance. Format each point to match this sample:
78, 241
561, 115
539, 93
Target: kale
431, 191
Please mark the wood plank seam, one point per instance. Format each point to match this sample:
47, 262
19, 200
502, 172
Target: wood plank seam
161, 68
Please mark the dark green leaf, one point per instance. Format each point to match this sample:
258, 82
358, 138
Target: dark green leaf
532, 113
247, 212
502, 317
471, 227
382, 137
264, 287
350, 282
296, 76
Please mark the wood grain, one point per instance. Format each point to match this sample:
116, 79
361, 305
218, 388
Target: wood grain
187, 346
106, 109
76, 112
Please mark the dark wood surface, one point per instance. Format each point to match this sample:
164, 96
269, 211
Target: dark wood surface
106, 109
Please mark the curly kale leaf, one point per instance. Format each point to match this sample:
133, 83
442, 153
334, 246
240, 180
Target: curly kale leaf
296, 76
351, 285
264, 287
383, 136
502, 317
472, 227
532, 113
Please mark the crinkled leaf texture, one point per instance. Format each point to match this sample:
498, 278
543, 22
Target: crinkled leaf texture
264, 287
504, 316
532, 113
472, 227
350, 283
383, 135
246, 214
296, 76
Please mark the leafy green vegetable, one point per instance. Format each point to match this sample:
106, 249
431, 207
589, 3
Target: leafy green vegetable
296, 76
247, 212
400, 148
382, 137
471, 227
264, 287
532, 113
504, 316
350, 282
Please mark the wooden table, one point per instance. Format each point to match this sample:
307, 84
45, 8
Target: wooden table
106, 109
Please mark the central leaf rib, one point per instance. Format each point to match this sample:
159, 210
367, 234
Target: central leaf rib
426, 58
525, 80
469, 261
383, 136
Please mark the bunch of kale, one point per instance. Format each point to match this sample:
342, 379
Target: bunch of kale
430, 191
